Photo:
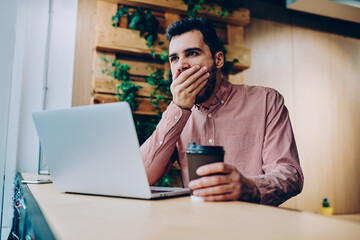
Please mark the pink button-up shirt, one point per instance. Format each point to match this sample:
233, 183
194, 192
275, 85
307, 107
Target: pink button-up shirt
253, 126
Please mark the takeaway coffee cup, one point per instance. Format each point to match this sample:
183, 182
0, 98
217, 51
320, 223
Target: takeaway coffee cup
198, 156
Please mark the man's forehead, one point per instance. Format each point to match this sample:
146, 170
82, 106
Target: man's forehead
191, 39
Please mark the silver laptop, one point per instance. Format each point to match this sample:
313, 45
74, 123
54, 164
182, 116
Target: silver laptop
95, 150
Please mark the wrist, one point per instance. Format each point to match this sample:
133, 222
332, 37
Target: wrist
182, 107
250, 192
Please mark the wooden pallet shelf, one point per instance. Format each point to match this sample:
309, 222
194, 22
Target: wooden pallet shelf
125, 40
145, 106
103, 85
243, 55
239, 17
137, 68
126, 46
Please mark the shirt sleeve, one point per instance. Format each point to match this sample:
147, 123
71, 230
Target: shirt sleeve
158, 149
283, 176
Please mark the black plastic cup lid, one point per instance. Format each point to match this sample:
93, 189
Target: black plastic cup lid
199, 149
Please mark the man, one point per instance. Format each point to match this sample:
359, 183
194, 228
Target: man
261, 163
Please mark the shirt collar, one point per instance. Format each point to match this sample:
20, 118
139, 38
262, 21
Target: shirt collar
220, 97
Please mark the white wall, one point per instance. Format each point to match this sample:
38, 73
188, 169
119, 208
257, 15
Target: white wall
58, 70
7, 39
34, 42
35, 62
61, 55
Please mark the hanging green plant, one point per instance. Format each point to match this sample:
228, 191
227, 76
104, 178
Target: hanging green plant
142, 20
161, 91
119, 14
126, 90
145, 127
228, 6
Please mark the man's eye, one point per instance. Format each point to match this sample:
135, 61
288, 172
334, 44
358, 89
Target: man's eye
192, 54
173, 59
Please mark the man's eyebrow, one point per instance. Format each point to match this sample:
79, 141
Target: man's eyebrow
192, 49
171, 55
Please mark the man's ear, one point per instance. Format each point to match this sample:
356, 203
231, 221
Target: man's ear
219, 59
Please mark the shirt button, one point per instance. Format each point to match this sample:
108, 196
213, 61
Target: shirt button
209, 115
222, 101
176, 117
160, 142
210, 140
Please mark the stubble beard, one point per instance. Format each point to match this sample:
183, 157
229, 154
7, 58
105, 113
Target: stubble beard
209, 87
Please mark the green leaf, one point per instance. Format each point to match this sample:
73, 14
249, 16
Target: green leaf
134, 21
150, 40
197, 8
126, 66
153, 54
125, 9
164, 56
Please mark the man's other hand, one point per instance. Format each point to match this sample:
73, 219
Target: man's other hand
228, 185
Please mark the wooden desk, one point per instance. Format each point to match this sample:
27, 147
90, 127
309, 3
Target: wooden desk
75, 216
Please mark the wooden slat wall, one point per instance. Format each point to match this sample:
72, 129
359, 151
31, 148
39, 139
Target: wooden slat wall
318, 74
107, 84
145, 106
110, 40
238, 17
125, 40
125, 45
84, 50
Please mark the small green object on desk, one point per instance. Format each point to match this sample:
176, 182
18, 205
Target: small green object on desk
326, 203
326, 209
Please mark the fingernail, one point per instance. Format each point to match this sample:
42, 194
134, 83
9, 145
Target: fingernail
207, 74
205, 68
199, 171
197, 67
191, 185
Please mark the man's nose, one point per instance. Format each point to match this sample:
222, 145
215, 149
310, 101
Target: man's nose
183, 65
